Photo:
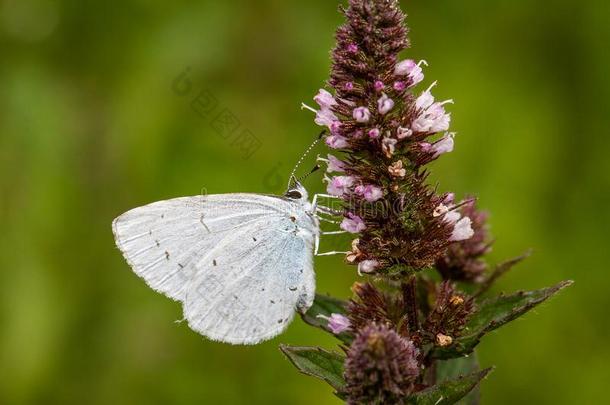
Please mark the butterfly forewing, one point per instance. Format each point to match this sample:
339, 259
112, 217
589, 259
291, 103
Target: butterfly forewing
206, 250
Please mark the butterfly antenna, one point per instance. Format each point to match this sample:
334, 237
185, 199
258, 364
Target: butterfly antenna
292, 179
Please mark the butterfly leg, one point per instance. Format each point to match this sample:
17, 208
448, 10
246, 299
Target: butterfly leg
327, 220
333, 233
314, 202
332, 253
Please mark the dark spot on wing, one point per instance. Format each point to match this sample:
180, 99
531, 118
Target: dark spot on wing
254, 239
150, 232
280, 320
292, 288
167, 255
180, 265
273, 302
293, 219
214, 262
203, 223
162, 215
157, 242
262, 289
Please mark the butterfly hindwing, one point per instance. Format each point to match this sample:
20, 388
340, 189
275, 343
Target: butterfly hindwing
256, 283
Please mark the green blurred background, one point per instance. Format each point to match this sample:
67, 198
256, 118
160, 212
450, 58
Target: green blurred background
90, 127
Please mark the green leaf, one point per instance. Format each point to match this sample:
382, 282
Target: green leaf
449, 392
492, 314
326, 306
317, 362
447, 370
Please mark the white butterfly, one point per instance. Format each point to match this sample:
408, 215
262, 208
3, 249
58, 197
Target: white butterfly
241, 264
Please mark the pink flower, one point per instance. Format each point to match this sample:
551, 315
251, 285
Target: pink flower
385, 104
462, 226
452, 217
353, 224
374, 133
334, 127
337, 323
325, 117
462, 230
370, 192
367, 266
379, 86
412, 70
336, 142
432, 117
403, 133
340, 185
335, 165
362, 114
324, 99
445, 145
349, 86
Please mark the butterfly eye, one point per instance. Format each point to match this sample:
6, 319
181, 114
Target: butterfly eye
294, 194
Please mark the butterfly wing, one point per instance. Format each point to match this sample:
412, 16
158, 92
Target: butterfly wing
259, 278
187, 247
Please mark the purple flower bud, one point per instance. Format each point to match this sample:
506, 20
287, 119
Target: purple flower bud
385, 104
362, 114
353, 224
336, 142
349, 86
352, 48
367, 266
358, 134
379, 86
335, 165
400, 86
462, 230
340, 185
374, 133
324, 99
338, 323
449, 198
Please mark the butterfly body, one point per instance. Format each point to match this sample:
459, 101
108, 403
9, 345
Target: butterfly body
240, 264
